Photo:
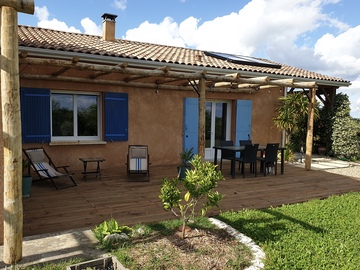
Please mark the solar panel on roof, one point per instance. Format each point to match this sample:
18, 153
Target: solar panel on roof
240, 59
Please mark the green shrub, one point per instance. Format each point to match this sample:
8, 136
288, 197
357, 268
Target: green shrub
345, 139
110, 234
291, 116
323, 129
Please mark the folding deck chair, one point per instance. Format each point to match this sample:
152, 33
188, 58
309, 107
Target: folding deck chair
43, 166
138, 161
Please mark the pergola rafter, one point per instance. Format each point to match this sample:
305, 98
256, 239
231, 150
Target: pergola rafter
222, 83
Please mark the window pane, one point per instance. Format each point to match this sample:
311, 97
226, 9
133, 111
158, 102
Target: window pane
220, 122
62, 115
87, 115
208, 124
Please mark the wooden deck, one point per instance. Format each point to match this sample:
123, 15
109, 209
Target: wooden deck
93, 201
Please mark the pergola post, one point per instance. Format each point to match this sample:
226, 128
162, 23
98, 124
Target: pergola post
11, 121
202, 118
310, 129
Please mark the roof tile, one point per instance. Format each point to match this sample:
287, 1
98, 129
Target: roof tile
82, 43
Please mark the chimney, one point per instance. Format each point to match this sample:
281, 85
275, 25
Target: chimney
108, 30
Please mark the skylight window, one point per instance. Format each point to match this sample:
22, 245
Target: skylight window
243, 60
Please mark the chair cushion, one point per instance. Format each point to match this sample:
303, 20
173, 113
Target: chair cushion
36, 155
43, 166
138, 164
138, 153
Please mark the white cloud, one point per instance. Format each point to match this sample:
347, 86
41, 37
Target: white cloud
341, 57
43, 15
290, 32
261, 24
90, 27
166, 33
120, 4
341, 53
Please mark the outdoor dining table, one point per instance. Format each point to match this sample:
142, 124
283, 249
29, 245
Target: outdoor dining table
236, 149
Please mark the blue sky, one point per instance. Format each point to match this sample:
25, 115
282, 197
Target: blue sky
321, 36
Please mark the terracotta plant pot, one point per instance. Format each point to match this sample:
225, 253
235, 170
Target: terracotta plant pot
322, 150
26, 185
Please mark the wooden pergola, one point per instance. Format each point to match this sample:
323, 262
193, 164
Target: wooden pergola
164, 78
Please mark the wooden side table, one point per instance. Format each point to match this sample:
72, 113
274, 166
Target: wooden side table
94, 159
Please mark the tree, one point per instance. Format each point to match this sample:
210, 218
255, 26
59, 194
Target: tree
181, 196
291, 116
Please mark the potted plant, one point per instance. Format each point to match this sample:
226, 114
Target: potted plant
186, 156
26, 179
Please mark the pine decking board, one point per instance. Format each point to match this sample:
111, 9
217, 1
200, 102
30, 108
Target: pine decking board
49, 210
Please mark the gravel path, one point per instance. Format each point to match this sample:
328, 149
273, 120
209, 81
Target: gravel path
353, 170
331, 165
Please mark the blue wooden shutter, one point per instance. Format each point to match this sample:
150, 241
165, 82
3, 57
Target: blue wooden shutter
116, 117
243, 120
35, 115
191, 123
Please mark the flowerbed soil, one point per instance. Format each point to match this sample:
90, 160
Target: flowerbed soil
201, 249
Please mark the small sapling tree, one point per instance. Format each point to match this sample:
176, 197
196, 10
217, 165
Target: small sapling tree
182, 196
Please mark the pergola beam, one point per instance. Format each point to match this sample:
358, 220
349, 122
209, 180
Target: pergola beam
229, 81
11, 128
305, 84
100, 73
23, 6
248, 85
139, 77
226, 84
282, 82
310, 129
268, 86
129, 84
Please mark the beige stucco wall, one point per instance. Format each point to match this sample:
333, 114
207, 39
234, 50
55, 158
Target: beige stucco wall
156, 119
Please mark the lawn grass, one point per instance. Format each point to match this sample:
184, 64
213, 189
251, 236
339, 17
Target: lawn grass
319, 234
53, 266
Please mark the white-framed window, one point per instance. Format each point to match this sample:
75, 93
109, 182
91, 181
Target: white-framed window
75, 116
218, 125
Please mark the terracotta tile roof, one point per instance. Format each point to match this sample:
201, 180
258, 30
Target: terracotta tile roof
81, 43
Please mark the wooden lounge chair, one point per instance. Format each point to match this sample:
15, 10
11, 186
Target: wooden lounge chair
45, 168
138, 160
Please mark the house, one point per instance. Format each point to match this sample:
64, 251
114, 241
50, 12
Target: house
85, 96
